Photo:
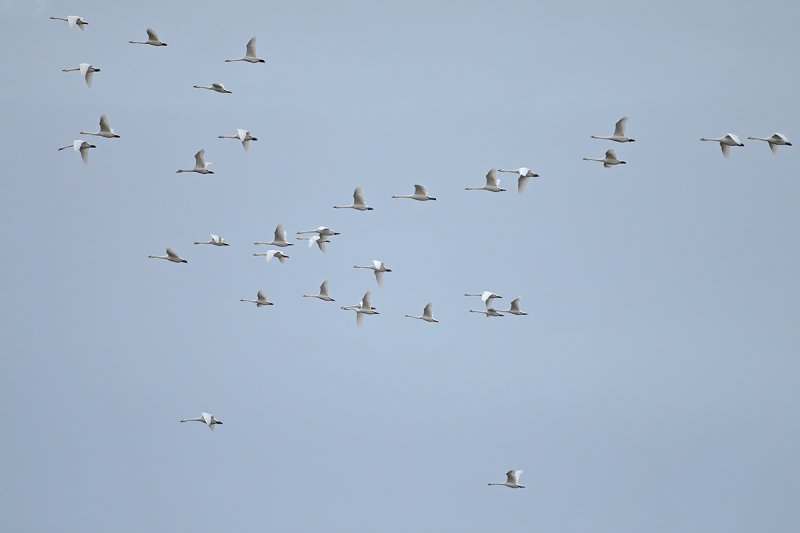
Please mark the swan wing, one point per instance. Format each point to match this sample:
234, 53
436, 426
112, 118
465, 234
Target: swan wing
84, 150
72, 20
242, 134
280, 233
199, 162
611, 154
260, 296
218, 86
215, 238
251, 47
76, 145
491, 178
773, 147
104, 124
420, 190
358, 197
619, 128
320, 243
521, 183
171, 253
323, 289
377, 264
359, 318
379, 278
725, 149
151, 35
428, 310
365, 304
270, 255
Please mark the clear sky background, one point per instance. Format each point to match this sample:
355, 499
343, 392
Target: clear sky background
653, 386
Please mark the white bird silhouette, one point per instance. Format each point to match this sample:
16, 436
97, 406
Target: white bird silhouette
206, 418
514, 309
323, 293
280, 238
218, 87
260, 300
73, 20
363, 308
492, 183
216, 240
619, 133
486, 296
152, 39
608, 161
242, 135
378, 268
86, 70
726, 142
490, 311
79, 145
322, 230
524, 173
250, 56
774, 141
512, 480
420, 194
427, 314
269, 254
200, 164
318, 239
358, 202
171, 256
105, 130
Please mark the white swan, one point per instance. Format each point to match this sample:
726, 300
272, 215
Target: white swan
363, 308
318, 239
512, 480
280, 238
420, 194
358, 202
427, 314
105, 130
323, 293
492, 183
322, 230
218, 87
609, 160
73, 20
242, 135
619, 133
726, 142
200, 165
216, 240
774, 140
490, 311
171, 256
282, 257
86, 70
525, 174
514, 309
250, 56
378, 268
206, 418
79, 145
486, 296
260, 300
152, 39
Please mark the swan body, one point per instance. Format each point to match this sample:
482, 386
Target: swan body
216, 240
72, 20
619, 133
205, 418
525, 174
775, 140
218, 87
427, 314
200, 164
609, 160
105, 130
323, 293
86, 70
152, 39
322, 230
420, 194
486, 296
318, 239
242, 135
363, 308
280, 238
171, 256
492, 183
490, 311
79, 145
260, 300
514, 309
378, 268
282, 257
725, 142
512, 480
250, 55
358, 202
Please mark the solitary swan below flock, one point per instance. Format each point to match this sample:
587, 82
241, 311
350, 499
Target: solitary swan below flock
206, 418
512, 480
608, 161
217, 87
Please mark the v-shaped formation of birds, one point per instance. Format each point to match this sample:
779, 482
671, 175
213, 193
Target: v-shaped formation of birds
321, 235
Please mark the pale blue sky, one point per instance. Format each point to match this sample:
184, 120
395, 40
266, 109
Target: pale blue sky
652, 387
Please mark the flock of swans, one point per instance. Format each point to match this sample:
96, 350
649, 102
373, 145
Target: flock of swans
321, 235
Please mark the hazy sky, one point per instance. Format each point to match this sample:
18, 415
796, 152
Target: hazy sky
652, 388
